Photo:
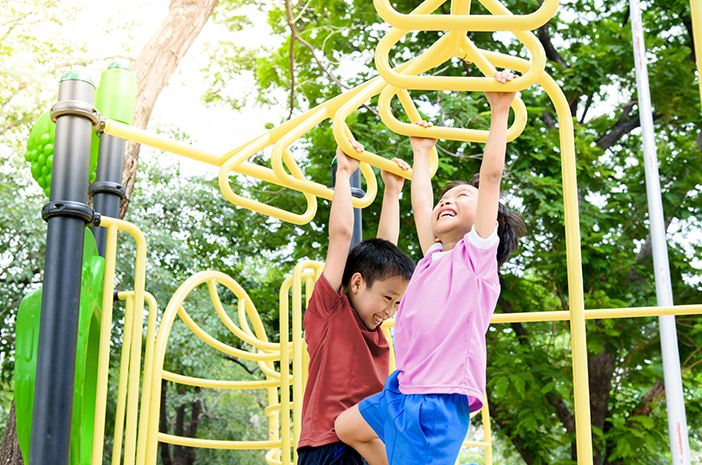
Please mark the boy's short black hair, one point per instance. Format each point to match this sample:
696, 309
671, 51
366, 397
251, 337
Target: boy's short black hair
376, 260
510, 225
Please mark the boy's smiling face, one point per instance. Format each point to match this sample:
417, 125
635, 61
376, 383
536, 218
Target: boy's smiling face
378, 302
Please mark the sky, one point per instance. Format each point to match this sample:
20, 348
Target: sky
215, 129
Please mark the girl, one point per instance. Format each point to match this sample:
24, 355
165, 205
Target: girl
422, 414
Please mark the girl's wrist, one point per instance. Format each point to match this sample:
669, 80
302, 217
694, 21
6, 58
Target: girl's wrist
500, 110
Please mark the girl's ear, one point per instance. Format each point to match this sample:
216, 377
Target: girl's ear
356, 282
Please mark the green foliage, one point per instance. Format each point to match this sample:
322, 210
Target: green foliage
530, 370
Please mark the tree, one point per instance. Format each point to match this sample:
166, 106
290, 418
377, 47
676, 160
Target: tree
154, 66
589, 54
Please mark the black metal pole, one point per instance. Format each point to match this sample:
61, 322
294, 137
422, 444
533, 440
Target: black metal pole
107, 189
67, 215
356, 191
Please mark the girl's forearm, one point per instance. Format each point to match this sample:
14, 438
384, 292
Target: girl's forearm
494, 156
422, 199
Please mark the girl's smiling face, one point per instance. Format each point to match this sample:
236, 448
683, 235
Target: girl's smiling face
453, 217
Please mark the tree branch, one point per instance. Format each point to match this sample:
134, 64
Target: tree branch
293, 37
551, 52
622, 127
155, 65
241, 364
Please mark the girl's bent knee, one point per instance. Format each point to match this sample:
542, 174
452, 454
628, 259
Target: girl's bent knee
341, 427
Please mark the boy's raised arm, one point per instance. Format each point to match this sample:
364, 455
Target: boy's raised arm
340, 218
389, 224
493, 158
422, 194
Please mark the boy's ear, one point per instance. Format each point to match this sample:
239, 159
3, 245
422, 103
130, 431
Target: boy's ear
356, 282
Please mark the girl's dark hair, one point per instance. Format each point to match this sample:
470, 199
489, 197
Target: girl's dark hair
510, 226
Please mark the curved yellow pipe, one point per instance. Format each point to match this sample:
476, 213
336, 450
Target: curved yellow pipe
282, 154
439, 51
254, 205
441, 132
241, 295
429, 22
152, 386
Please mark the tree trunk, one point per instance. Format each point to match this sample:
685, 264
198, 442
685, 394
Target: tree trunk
10, 453
154, 67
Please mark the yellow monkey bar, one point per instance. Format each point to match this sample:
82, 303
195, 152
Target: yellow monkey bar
391, 82
463, 21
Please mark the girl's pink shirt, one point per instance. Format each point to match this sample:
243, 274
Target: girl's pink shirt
442, 320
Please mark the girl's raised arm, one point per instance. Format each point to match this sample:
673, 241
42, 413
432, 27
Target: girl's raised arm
494, 158
422, 194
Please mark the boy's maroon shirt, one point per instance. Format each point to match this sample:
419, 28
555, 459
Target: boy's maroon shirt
348, 362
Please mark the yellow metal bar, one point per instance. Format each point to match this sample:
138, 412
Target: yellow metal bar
152, 385
441, 51
592, 314
281, 154
218, 383
148, 366
113, 226
696, 14
386, 331
439, 132
245, 336
429, 22
104, 351
216, 444
123, 377
573, 255
127, 132
599, 314
222, 347
284, 378
341, 134
487, 432
254, 205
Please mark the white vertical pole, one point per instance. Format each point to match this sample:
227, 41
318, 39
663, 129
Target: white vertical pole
677, 424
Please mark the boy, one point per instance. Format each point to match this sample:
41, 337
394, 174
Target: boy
358, 290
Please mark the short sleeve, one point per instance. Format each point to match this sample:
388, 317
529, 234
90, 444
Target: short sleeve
479, 255
325, 301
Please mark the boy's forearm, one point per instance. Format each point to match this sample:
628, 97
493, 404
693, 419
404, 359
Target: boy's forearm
341, 214
389, 224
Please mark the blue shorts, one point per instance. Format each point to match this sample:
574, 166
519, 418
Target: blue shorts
417, 429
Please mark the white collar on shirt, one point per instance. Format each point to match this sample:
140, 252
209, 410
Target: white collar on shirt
474, 239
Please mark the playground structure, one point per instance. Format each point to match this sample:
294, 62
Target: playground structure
136, 428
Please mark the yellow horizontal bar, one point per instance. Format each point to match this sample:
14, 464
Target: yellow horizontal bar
429, 22
445, 133
125, 131
476, 444
217, 444
219, 383
633, 312
276, 408
595, 314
